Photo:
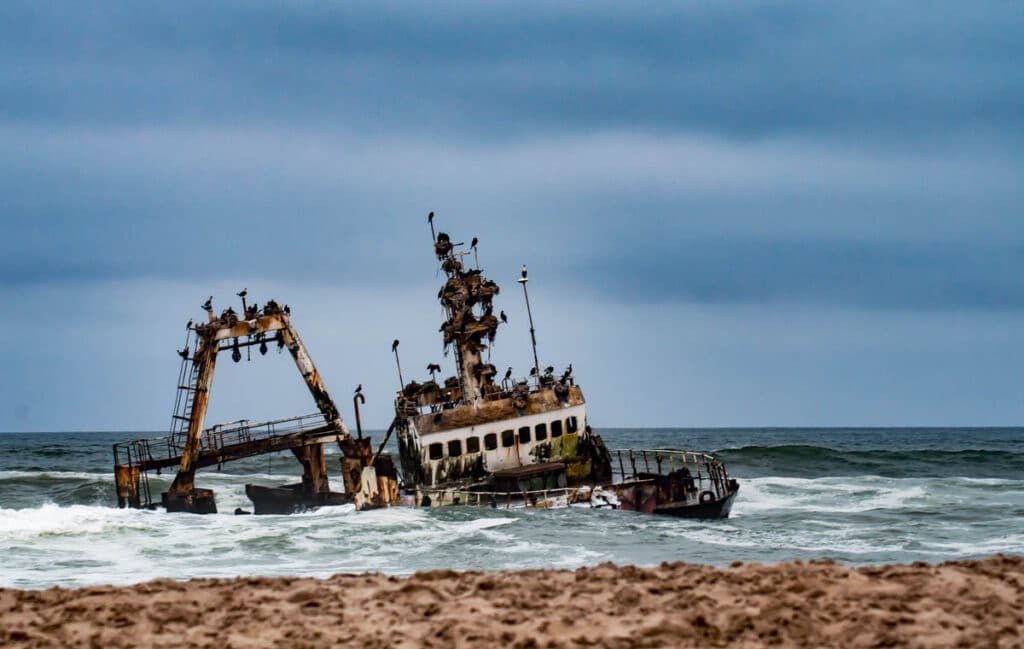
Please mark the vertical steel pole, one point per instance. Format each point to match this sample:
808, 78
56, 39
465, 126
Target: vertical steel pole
533, 334
401, 381
355, 405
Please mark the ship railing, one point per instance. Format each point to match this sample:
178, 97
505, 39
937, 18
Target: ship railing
539, 499
410, 406
148, 451
645, 465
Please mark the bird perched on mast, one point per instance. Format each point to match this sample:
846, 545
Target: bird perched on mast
208, 305
394, 345
243, 292
433, 368
476, 256
359, 389
508, 374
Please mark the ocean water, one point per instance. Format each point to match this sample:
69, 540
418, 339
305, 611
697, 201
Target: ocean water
857, 496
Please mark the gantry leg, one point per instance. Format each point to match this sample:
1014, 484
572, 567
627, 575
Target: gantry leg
182, 494
315, 484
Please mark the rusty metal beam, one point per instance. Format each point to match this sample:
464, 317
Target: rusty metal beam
242, 328
213, 457
312, 378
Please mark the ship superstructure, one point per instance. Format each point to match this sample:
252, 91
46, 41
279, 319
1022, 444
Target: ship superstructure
483, 438
477, 424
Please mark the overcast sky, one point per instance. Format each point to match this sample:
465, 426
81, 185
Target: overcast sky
735, 214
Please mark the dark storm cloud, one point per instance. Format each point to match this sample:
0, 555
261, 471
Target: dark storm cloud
862, 154
499, 69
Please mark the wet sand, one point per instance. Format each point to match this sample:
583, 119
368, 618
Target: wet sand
817, 604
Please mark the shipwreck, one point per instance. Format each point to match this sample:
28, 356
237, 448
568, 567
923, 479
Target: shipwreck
476, 438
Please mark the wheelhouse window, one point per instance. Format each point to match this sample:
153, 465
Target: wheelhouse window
540, 432
455, 448
508, 438
473, 445
436, 451
524, 435
491, 441
556, 428
571, 426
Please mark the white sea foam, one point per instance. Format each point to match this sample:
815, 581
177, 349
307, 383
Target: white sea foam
1008, 544
867, 519
56, 475
993, 482
51, 519
823, 495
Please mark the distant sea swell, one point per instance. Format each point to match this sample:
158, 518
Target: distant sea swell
804, 460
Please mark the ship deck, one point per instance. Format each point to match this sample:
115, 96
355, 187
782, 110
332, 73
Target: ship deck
222, 443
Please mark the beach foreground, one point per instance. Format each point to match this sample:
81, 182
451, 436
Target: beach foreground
816, 604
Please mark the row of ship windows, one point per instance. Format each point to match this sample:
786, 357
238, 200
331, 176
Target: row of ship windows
508, 439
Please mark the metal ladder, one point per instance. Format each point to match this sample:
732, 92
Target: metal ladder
185, 396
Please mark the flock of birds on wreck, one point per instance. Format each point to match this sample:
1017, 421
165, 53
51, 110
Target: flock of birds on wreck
432, 368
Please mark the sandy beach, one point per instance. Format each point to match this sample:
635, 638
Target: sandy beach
816, 604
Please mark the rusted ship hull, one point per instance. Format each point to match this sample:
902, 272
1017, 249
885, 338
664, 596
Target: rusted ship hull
716, 509
288, 499
644, 498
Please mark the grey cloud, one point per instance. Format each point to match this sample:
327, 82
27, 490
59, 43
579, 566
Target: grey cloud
502, 69
625, 214
818, 272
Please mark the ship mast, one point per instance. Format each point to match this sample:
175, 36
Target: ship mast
467, 300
